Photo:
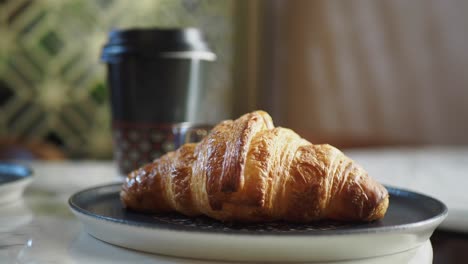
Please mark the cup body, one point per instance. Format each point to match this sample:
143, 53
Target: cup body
156, 86
138, 143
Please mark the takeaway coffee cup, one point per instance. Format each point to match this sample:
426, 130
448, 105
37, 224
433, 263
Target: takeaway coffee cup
155, 78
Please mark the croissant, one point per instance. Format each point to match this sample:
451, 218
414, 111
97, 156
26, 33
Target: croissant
247, 170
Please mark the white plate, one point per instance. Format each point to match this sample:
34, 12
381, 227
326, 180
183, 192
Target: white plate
13, 180
409, 222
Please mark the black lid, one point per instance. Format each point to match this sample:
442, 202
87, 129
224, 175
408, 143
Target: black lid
157, 42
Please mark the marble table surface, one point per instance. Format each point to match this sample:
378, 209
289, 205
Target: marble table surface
41, 229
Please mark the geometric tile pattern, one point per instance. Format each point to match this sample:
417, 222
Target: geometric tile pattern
52, 85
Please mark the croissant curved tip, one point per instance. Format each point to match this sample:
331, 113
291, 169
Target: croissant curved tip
380, 210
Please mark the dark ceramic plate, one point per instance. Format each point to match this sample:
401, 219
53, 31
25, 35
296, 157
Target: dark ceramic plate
13, 180
410, 220
407, 209
13, 172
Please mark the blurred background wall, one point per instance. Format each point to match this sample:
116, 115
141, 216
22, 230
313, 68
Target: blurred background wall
52, 85
350, 73
364, 72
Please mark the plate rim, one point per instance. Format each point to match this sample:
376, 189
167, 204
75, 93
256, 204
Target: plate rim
427, 223
26, 172
12, 189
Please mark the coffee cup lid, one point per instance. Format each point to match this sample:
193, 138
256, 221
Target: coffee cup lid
177, 43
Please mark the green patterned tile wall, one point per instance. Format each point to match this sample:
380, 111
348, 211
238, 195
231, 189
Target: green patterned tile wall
52, 85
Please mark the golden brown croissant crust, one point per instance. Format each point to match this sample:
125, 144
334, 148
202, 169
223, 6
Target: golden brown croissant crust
248, 170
